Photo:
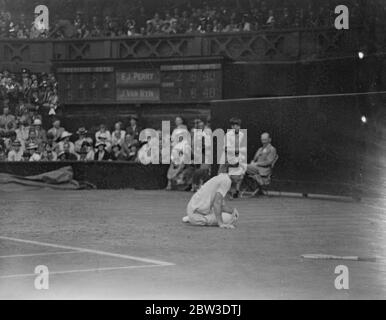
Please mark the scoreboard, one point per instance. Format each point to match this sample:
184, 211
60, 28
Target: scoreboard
166, 83
191, 82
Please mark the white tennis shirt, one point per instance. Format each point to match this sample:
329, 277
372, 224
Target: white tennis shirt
202, 200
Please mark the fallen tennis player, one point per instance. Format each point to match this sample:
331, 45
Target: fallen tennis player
207, 206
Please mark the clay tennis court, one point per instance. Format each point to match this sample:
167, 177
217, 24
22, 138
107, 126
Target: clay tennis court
131, 244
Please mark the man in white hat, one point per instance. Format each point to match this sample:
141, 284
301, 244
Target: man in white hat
106, 135
40, 132
207, 206
65, 138
104, 138
33, 151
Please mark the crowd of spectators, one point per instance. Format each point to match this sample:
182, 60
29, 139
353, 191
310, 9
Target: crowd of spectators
24, 138
29, 92
178, 18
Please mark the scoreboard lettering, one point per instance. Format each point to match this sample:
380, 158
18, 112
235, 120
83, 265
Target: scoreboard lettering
166, 83
140, 78
138, 85
137, 94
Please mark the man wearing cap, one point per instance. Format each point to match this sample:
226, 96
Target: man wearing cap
16, 154
81, 139
207, 206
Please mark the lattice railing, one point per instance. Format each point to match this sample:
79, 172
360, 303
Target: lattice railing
288, 45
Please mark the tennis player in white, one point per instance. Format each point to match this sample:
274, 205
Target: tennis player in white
207, 206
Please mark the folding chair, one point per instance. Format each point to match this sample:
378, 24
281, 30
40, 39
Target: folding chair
257, 183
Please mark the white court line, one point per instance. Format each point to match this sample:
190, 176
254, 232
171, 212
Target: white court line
102, 253
25, 275
38, 254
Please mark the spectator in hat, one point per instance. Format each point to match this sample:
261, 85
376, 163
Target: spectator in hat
104, 132
103, 137
86, 152
101, 154
40, 132
66, 154
82, 137
116, 153
133, 153
64, 139
16, 154
133, 129
56, 130
33, 151
32, 138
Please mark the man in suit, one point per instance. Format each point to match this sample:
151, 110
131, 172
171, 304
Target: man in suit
133, 128
261, 165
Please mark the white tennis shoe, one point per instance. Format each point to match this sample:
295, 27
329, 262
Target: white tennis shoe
185, 219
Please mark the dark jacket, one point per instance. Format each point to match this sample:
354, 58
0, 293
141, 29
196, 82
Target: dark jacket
106, 156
